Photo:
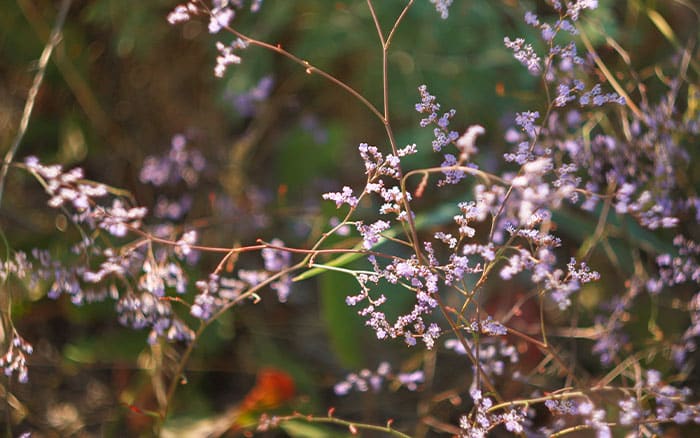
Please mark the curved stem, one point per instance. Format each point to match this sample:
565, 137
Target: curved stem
310, 69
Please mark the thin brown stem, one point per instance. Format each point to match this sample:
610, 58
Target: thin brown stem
480, 375
352, 426
310, 69
397, 22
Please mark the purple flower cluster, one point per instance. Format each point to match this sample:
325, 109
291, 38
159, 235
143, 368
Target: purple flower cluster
454, 167
217, 292
220, 16
442, 7
488, 327
179, 164
430, 107
247, 103
182, 13
367, 379
593, 418
395, 199
482, 420
654, 402
525, 54
672, 404
673, 271
15, 358
277, 260
137, 276
214, 294
343, 197
159, 275
371, 234
221, 13
146, 310
417, 278
227, 55
67, 188
117, 220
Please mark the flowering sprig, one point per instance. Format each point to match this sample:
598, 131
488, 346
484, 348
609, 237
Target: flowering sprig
367, 379
481, 421
14, 361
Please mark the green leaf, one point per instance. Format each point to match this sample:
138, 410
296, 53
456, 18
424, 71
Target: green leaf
110, 347
582, 227
310, 430
342, 321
